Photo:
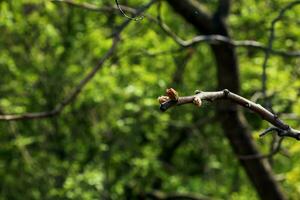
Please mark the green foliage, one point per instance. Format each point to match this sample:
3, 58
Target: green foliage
110, 141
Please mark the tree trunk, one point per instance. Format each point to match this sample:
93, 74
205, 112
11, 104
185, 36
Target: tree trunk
232, 120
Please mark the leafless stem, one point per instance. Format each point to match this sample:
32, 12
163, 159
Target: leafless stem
125, 15
275, 149
268, 49
185, 43
213, 39
78, 88
158, 195
280, 127
68, 99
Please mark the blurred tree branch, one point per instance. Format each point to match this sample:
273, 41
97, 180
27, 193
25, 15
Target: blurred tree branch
78, 88
268, 50
275, 148
158, 195
71, 97
211, 39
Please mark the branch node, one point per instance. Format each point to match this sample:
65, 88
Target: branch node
268, 130
226, 92
172, 94
197, 101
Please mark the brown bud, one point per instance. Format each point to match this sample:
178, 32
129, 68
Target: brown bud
163, 99
172, 94
197, 101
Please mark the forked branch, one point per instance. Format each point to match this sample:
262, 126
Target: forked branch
173, 99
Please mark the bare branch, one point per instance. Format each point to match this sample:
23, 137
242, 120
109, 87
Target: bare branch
76, 91
276, 147
92, 7
268, 50
158, 195
124, 14
280, 127
68, 99
212, 39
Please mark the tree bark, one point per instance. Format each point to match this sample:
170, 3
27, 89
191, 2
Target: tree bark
232, 120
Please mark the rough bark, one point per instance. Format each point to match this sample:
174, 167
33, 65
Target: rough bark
232, 120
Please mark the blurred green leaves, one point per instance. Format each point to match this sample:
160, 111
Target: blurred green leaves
109, 142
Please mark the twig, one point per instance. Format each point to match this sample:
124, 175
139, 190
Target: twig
185, 43
268, 50
275, 149
172, 99
221, 39
68, 99
76, 91
158, 195
124, 14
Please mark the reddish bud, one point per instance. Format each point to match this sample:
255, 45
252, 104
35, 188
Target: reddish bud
172, 94
163, 99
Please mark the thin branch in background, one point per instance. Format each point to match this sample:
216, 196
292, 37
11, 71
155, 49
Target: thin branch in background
94, 8
78, 88
158, 195
212, 39
268, 50
69, 98
173, 99
124, 14
276, 147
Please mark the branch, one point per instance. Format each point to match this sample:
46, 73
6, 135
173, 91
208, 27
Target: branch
172, 99
92, 7
276, 147
124, 14
268, 50
158, 195
68, 99
212, 39
76, 91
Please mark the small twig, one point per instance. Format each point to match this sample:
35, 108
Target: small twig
68, 99
76, 91
275, 149
185, 43
124, 14
268, 50
221, 39
158, 195
280, 127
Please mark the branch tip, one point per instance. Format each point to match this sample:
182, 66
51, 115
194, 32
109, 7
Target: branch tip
279, 127
226, 92
172, 94
197, 101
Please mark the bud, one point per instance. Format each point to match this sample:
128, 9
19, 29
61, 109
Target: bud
197, 101
172, 94
163, 99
